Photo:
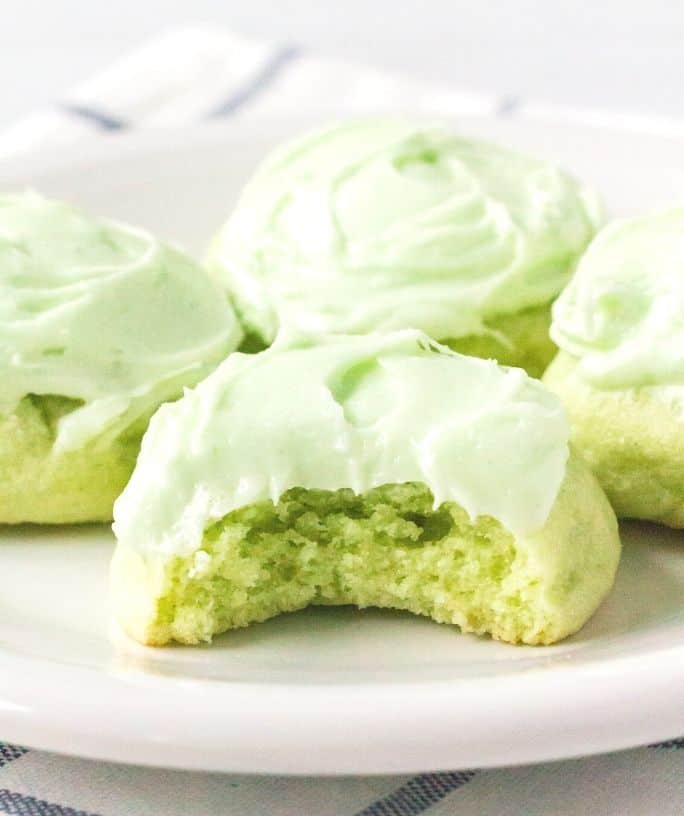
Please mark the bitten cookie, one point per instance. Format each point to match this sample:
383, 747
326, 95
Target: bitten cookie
382, 470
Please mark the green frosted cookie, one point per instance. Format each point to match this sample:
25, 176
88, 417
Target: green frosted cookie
384, 224
381, 470
99, 325
620, 325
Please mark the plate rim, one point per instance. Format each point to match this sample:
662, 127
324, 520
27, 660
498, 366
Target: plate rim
332, 716
112, 146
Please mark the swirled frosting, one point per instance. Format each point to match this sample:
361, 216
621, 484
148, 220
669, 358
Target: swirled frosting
346, 412
102, 313
383, 224
622, 315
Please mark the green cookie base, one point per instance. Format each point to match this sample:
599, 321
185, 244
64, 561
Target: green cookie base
529, 345
77, 486
385, 548
632, 441
526, 345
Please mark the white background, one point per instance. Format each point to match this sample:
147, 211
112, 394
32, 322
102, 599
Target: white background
619, 55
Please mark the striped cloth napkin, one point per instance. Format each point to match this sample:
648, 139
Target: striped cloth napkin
198, 75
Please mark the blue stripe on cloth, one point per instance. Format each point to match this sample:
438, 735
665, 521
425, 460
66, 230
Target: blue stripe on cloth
8, 753
268, 72
96, 117
508, 106
15, 804
418, 794
673, 743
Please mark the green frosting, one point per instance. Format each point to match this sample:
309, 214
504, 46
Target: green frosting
101, 313
346, 412
384, 224
622, 316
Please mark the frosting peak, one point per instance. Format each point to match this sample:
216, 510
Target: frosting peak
102, 313
383, 224
622, 315
346, 412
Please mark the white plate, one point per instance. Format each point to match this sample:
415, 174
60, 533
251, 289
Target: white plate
327, 691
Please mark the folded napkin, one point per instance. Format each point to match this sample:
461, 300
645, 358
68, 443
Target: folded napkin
188, 77
192, 76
